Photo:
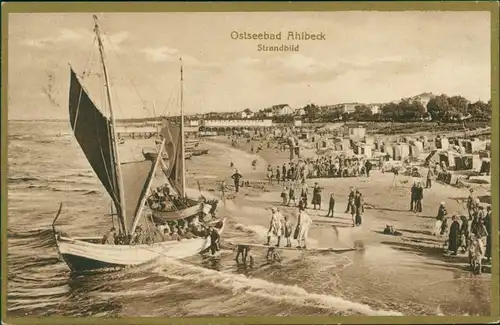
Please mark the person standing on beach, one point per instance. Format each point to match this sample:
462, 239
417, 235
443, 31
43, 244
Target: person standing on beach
270, 174
350, 201
304, 174
275, 226
471, 204
291, 195
454, 237
368, 167
223, 191
292, 171
316, 201
359, 205
284, 195
430, 175
487, 223
236, 177
331, 205
302, 229
278, 174
440, 218
478, 215
464, 233
419, 197
413, 192
287, 230
303, 195
283, 173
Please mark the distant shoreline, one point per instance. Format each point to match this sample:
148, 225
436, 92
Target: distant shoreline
138, 120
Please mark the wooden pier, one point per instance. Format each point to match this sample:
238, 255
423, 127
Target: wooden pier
144, 132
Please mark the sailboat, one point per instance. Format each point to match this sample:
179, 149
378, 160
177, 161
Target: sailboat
175, 146
151, 154
127, 184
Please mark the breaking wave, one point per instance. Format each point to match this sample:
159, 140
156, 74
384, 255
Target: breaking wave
279, 293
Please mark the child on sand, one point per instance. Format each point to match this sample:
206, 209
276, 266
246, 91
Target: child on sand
284, 195
287, 228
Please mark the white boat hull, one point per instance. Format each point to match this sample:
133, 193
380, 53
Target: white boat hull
81, 255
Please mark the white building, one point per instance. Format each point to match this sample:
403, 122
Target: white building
349, 108
375, 108
194, 123
237, 123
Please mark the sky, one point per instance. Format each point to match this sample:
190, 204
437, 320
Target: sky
367, 57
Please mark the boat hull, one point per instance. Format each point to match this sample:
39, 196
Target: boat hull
82, 256
182, 214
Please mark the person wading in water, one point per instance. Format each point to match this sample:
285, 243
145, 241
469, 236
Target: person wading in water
302, 230
236, 177
275, 226
214, 239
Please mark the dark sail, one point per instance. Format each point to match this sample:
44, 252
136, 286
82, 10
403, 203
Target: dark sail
173, 147
135, 178
91, 130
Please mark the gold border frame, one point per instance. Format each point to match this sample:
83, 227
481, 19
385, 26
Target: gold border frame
52, 7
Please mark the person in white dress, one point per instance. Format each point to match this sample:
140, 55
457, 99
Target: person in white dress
275, 226
303, 223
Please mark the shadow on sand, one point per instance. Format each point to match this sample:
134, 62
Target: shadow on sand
387, 209
422, 232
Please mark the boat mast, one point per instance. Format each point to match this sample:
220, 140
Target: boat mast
156, 120
183, 182
118, 179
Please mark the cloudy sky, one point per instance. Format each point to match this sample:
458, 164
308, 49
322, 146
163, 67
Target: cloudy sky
367, 57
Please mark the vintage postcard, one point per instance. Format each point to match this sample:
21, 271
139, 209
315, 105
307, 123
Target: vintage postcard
241, 163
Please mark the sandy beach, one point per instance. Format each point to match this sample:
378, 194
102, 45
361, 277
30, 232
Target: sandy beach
411, 266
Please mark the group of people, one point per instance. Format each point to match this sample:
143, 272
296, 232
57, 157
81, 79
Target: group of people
417, 195
288, 195
355, 206
167, 231
339, 166
470, 234
280, 226
291, 172
303, 169
163, 199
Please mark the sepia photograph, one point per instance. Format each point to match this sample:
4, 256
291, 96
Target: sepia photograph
238, 164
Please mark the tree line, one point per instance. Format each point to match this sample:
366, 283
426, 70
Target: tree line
441, 108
